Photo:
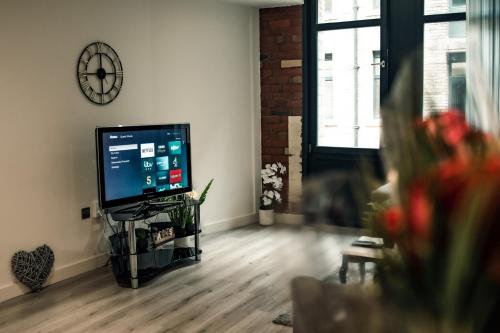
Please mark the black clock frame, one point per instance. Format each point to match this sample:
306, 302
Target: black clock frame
100, 73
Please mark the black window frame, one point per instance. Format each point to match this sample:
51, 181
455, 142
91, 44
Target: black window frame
402, 34
311, 28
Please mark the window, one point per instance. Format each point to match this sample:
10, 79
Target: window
433, 7
457, 29
342, 94
328, 6
348, 81
444, 60
457, 83
347, 10
376, 84
325, 88
326, 99
458, 3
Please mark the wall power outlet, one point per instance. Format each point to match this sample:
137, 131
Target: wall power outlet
85, 213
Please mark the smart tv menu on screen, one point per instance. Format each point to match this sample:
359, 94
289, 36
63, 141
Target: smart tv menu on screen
143, 162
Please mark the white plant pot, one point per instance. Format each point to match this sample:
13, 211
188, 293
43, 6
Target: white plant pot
184, 242
266, 216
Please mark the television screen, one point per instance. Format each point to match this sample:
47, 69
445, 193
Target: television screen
138, 163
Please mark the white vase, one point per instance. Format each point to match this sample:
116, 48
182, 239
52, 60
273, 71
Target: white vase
184, 242
266, 216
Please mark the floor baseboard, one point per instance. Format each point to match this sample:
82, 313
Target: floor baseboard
229, 224
15, 289
289, 218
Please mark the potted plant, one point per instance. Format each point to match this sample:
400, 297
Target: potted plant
272, 184
183, 216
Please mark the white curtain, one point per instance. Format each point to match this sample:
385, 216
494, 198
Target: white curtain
483, 24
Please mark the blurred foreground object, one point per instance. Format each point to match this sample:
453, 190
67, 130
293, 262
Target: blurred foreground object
444, 216
321, 307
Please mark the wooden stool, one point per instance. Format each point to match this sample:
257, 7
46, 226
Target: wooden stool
360, 255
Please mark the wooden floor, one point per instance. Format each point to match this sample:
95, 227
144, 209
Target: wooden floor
240, 285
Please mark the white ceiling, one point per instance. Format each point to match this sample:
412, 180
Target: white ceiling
266, 3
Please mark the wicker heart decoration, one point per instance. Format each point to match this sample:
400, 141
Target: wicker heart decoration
33, 268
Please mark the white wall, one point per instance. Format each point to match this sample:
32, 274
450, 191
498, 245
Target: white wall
202, 54
184, 61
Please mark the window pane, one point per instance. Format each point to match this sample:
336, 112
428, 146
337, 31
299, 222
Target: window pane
444, 67
347, 84
376, 85
444, 6
347, 10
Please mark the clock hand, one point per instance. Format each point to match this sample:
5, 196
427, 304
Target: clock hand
102, 82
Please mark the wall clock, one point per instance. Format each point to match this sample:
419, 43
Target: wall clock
100, 73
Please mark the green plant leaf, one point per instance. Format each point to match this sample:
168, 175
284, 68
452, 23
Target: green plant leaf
203, 195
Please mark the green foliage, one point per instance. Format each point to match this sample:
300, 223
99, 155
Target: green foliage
203, 195
184, 214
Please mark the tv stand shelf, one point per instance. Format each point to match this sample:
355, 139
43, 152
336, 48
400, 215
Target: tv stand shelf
189, 234
130, 215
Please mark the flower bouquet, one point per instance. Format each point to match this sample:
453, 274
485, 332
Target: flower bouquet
444, 218
272, 184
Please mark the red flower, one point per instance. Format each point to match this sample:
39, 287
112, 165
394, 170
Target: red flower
451, 168
429, 125
492, 165
420, 211
453, 126
393, 219
451, 182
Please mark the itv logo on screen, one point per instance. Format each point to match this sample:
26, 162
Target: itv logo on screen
174, 147
148, 165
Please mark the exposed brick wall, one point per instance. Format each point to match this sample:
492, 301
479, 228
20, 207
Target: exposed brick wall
281, 88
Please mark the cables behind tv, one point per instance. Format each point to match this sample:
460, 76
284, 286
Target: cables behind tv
107, 220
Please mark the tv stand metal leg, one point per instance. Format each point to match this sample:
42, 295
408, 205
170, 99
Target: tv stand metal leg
197, 233
134, 279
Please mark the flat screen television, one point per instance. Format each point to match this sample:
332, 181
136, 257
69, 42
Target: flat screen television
140, 163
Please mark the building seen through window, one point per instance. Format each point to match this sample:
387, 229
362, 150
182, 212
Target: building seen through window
457, 85
444, 59
348, 84
349, 72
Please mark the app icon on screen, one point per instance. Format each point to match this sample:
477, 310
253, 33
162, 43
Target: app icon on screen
161, 178
149, 180
175, 176
174, 186
162, 188
175, 162
161, 149
174, 147
148, 164
162, 163
147, 150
